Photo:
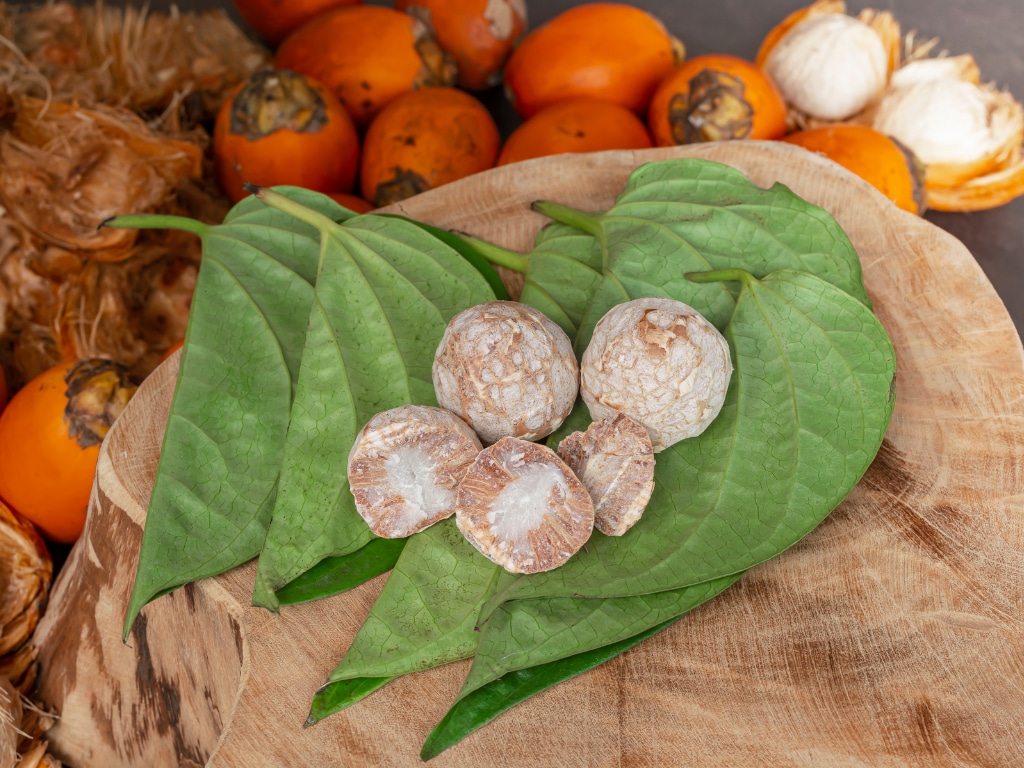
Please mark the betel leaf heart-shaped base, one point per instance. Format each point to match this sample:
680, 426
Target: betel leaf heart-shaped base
891, 635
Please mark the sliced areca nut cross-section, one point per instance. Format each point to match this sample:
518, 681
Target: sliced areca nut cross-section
614, 459
523, 508
405, 466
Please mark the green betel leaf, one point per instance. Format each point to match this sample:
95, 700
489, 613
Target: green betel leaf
568, 263
466, 251
528, 646
339, 574
385, 291
222, 450
674, 217
805, 414
425, 616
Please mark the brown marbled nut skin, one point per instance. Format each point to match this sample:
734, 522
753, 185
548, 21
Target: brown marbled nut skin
660, 362
614, 459
523, 508
405, 466
507, 370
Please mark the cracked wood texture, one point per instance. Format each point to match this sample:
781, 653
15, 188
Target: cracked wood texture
891, 636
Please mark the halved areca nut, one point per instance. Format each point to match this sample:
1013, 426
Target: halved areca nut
614, 459
405, 466
523, 508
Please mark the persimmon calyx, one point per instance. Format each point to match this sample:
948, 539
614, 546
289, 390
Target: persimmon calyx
274, 99
98, 391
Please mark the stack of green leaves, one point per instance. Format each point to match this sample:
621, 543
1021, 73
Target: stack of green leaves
805, 414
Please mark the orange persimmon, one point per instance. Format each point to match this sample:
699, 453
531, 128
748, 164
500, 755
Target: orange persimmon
716, 97
354, 203
3, 389
424, 139
367, 55
581, 125
607, 51
281, 127
479, 34
50, 436
878, 159
273, 20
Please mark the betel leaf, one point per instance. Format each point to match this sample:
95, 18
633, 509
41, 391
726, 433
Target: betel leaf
804, 416
680, 216
339, 574
465, 250
425, 616
221, 452
569, 265
335, 697
483, 704
530, 645
385, 291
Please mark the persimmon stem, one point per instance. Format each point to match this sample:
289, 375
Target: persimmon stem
498, 256
586, 222
156, 221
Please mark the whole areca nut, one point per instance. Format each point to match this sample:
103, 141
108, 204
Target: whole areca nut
523, 508
661, 363
405, 466
507, 370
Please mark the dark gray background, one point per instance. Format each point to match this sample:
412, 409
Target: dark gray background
991, 30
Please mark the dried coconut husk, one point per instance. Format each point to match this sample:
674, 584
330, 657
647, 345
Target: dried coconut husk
130, 311
26, 571
57, 305
10, 724
180, 66
21, 726
65, 169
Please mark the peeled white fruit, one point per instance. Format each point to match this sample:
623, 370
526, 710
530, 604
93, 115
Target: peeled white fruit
830, 66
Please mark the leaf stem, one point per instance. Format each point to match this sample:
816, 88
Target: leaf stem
495, 254
566, 215
287, 205
156, 221
720, 275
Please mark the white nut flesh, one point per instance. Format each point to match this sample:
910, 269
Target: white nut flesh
523, 508
830, 66
944, 118
507, 370
659, 362
614, 459
405, 467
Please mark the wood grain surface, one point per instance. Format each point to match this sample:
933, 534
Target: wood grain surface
891, 636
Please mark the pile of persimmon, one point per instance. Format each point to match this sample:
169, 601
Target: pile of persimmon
371, 104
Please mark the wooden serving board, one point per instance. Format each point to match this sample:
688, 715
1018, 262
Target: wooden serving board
891, 636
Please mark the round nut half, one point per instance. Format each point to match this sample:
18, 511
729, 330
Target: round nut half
523, 508
659, 362
405, 466
614, 459
507, 370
